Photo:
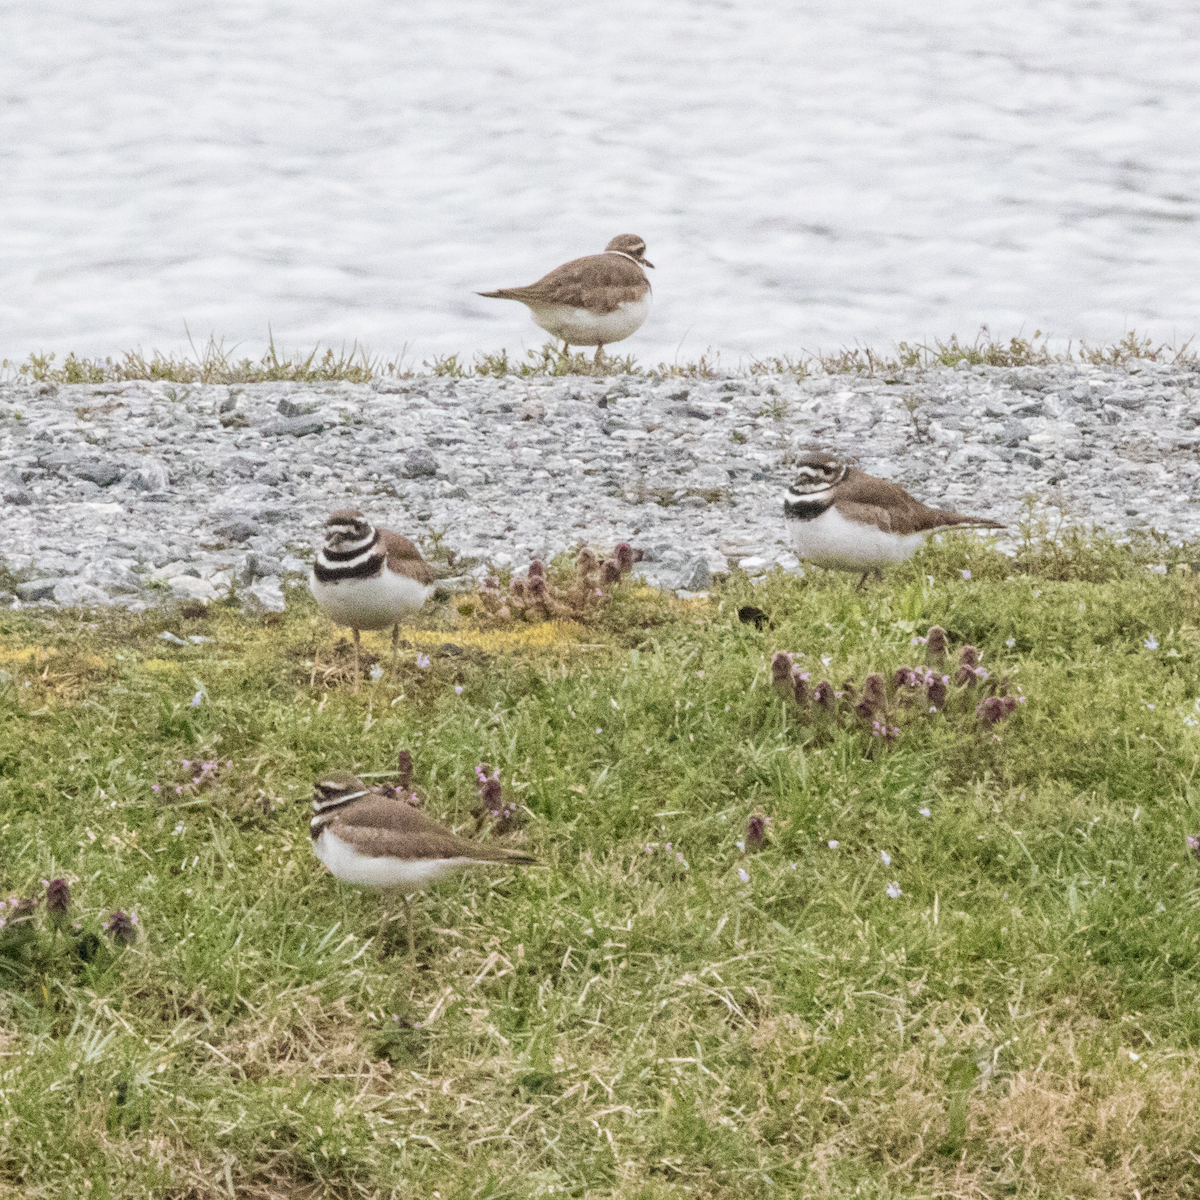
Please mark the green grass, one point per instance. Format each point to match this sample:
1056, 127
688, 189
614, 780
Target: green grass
1023, 1020
215, 364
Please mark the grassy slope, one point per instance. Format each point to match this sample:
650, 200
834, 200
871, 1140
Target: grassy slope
1023, 1020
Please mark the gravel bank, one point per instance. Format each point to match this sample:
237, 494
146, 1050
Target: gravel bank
124, 493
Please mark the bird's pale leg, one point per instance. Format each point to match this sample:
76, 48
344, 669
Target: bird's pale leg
412, 947
862, 581
599, 354
395, 644
355, 662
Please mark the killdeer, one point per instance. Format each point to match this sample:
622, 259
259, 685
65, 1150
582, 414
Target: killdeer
368, 578
842, 518
590, 301
375, 841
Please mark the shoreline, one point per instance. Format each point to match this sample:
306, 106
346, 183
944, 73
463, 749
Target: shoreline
126, 492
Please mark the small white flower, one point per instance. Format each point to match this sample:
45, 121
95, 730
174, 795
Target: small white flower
196, 699
742, 875
832, 844
826, 660
1134, 1057
924, 812
793, 865
376, 672
598, 729
893, 890
1151, 643
965, 574
1011, 642
458, 689
887, 858
740, 845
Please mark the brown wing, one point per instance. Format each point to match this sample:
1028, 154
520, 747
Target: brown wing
889, 507
404, 558
599, 282
378, 826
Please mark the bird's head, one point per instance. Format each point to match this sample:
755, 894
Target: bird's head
816, 472
336, 787
346, 528
631, 245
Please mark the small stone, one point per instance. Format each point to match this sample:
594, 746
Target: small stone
258, 566
75, 593
265, 596
37, 589
289, 408
188, 587
102, 474
151, 475
695, 576
296, 426
419, 463
237, 530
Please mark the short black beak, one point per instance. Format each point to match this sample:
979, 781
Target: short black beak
647, 263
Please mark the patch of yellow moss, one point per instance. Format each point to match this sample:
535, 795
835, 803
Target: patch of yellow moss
41, 655
542, 636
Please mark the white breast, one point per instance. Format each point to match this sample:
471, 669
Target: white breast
830, 540
377, 603
352, 867
581, 327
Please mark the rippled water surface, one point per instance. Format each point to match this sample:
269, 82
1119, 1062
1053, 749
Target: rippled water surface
804, 174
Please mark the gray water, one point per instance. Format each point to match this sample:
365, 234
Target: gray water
805, 175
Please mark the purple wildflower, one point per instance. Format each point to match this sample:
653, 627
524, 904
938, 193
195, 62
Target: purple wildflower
935, 689
800, 685
936, 643
874, 697
995, 709
423, 662
756, 832
58, 898
823, 695
610, 573
122, 928
781, 666
1193, 845
536, 570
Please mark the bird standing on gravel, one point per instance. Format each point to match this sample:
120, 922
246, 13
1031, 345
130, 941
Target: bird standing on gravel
368, 578
376, 841
590, 301
840, 517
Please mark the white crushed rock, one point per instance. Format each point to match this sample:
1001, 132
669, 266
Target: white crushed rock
125, 493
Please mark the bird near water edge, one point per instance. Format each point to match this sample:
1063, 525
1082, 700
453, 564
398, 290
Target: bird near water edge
591, 301
842, 518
